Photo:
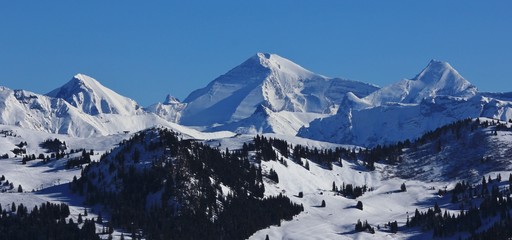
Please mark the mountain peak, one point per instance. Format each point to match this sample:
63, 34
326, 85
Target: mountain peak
169, 99
84, 79
262, 55
277, 63
437, 70
90, 96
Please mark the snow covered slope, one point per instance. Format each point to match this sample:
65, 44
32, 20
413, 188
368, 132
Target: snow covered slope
269, 80
407, 109
88, 95
265, 120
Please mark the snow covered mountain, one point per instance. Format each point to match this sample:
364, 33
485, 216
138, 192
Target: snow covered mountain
56, 115
38, 112
407, 109
90, 96
437, 79
170, 110
268, 80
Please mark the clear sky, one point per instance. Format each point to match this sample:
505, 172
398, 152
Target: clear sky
147, 49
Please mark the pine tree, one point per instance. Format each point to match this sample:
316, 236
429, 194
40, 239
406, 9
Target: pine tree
100, 218
20, 189
359, 226
267, 238
403, 188
509, 182
359, 205
323, 203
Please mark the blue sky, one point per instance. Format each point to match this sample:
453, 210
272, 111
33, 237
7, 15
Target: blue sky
147, 49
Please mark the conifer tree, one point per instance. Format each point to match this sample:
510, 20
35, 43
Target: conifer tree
403, 188
359, 205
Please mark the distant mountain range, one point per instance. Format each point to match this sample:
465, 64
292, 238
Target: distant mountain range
267, 94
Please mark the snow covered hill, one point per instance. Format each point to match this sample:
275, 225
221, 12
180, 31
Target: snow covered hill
268, 80
465, 150
88, 95
407, 109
